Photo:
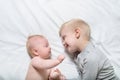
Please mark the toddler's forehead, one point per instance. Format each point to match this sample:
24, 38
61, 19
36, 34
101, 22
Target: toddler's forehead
67, 28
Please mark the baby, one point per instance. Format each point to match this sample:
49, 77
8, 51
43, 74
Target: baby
91, 62
41, 66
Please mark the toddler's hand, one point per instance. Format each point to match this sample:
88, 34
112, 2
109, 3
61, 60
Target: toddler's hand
56, 75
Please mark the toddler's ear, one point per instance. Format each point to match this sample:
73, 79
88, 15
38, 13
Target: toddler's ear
77, 33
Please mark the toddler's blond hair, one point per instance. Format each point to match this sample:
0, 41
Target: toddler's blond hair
77, 23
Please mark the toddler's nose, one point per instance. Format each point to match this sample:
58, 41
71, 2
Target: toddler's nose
64, 44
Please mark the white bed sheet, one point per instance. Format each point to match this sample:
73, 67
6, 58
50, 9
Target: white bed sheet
21, 18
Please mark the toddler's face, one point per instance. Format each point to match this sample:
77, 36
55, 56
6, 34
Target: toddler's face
43, 48
69, 40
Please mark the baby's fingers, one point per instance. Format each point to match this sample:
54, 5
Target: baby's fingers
61, 58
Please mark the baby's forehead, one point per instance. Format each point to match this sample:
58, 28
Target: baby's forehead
34, 38
37, 41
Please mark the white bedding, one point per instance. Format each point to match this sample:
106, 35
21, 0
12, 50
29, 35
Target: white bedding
21, 18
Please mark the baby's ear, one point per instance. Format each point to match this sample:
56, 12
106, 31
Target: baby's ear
77, 32
35, 52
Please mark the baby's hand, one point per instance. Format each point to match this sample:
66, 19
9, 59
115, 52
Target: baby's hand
56, 75
61, 58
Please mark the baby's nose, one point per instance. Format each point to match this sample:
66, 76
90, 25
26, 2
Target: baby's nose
50, 48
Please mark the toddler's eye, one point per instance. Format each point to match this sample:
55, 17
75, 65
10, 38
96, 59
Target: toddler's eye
63, 38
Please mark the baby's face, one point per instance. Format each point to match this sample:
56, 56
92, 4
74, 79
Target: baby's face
69, 40
43, 48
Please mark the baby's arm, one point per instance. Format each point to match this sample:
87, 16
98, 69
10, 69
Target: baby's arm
40, 63
56, 75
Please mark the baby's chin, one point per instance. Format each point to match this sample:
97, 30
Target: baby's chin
49, 55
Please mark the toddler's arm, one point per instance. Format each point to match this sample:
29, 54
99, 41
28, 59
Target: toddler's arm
40, 63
